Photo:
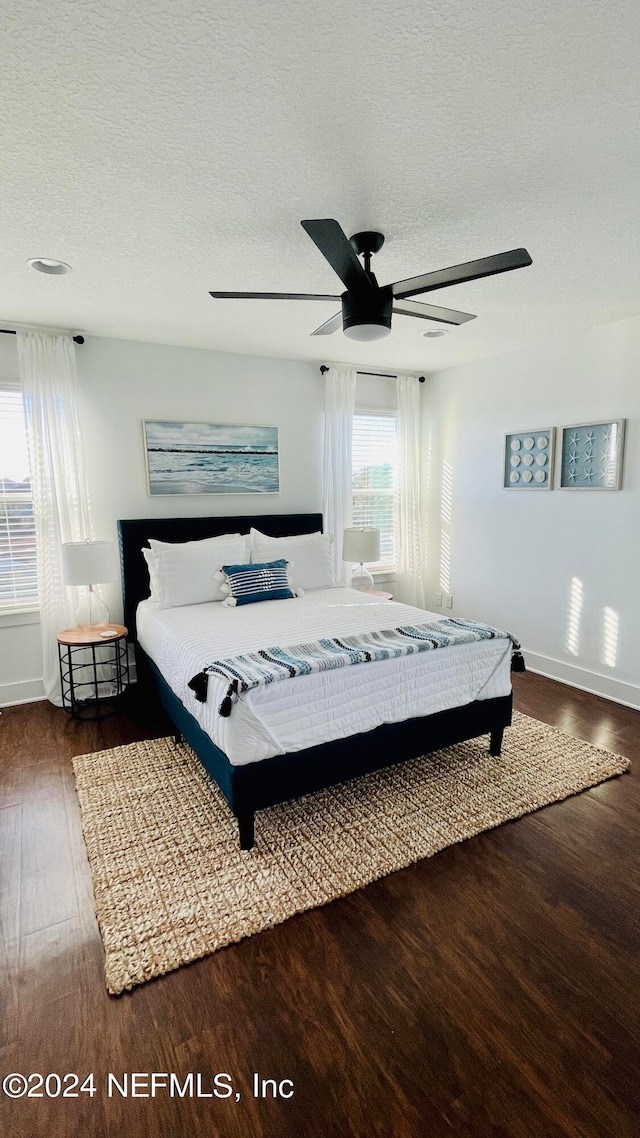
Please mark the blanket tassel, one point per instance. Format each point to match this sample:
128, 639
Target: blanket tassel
225, 707
517, 662
199, 685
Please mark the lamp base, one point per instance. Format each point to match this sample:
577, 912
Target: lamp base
361, 578
92, 614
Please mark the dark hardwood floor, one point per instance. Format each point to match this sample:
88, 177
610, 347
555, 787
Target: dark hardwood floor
492, 990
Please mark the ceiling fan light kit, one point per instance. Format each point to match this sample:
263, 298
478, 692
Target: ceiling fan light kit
367, 307
365, 317
365, 333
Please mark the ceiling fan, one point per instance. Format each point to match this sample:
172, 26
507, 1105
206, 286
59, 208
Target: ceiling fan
367, 306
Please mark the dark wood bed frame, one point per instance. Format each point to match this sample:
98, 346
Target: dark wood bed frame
265, 783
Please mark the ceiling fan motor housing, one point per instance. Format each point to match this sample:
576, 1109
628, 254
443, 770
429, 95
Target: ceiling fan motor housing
367, 307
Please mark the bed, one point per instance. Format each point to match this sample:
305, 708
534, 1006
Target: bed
313, 731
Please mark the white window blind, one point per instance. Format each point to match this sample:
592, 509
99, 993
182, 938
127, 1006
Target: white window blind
375, 480
18, 575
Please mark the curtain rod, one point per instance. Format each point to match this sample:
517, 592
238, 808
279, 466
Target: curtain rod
12, 332
380, 374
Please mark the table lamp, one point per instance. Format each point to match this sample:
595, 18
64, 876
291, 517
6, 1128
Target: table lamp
89, 563
360, 545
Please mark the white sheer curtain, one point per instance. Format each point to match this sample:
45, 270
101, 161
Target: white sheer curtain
411, 530
340, 401
61, 504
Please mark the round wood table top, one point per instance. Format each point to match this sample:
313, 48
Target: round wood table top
97, 634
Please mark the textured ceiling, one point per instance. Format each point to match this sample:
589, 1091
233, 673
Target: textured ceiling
167, 149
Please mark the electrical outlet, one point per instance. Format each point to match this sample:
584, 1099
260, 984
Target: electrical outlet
439, 600
449, 601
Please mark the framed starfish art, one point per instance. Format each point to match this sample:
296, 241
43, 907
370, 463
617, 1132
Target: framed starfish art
592, 456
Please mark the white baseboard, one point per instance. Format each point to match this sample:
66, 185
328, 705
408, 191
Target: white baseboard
26, 691
30, 691
592, 682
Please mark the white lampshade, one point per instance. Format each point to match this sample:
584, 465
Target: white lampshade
361, 544
88, 562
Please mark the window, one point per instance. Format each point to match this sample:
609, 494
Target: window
18, 577
375, 480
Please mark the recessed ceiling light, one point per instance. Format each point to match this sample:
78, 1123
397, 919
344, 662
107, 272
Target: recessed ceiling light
434, 332
49, 265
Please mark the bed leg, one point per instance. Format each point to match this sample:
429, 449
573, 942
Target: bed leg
495, 741
245, 829
177, 737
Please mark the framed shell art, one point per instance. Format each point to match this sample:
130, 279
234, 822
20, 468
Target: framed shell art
210, 458
528, 459
592, 456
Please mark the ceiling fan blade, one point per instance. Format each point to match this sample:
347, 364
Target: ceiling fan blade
457, 274
329, 326
430, 312
272, 296
335, 246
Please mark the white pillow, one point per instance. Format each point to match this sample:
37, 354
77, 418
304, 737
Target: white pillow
185, 573
150, 559
310, 554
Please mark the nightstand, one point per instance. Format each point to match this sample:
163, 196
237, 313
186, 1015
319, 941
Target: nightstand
378, 593
94, 669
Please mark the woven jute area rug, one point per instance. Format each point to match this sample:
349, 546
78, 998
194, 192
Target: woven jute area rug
171, 884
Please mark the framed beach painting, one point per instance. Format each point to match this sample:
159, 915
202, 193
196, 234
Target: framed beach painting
210, 458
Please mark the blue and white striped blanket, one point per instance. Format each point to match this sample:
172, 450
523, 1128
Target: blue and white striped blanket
268, 665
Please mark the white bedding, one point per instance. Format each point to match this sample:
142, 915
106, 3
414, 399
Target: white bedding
308, 710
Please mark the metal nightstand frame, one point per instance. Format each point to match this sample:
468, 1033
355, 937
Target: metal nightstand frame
81, 697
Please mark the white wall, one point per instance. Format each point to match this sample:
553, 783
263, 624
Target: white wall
124, 382
376, 393
514, 555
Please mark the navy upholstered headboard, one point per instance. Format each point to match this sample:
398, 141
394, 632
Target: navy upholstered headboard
134, 533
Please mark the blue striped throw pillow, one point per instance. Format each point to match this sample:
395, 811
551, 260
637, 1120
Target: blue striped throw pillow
250, 583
